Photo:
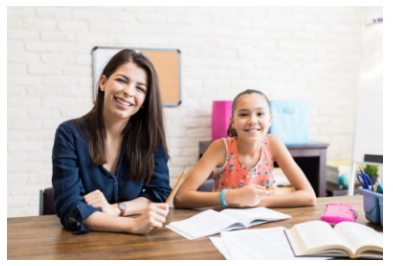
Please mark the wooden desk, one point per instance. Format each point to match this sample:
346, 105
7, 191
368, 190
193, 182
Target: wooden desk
43, 237
311, 158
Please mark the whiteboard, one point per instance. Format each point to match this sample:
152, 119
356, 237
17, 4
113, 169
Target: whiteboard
166, 63
369, 122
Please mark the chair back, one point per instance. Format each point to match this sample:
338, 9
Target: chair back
207, 186
47, 202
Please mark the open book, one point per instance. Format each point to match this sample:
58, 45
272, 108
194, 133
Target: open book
211, 222
347, 239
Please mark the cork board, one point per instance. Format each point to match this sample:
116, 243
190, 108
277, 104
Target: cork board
165, 61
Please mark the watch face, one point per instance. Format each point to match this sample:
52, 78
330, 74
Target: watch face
122, 206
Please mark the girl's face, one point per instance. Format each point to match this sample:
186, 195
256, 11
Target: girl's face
125, 91
251, 118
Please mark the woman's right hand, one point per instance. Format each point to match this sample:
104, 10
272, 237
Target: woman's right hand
154, 216
248, 196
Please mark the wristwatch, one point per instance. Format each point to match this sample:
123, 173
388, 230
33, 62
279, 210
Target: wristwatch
123, 208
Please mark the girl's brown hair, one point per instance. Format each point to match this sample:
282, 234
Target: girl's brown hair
144, 130
231, 132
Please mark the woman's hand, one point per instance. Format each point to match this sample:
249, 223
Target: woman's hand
98, 200
248, 196
154, 216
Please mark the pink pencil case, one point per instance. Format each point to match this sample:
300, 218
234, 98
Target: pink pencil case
338, 212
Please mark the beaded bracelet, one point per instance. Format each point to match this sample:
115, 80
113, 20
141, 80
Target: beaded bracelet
222, 197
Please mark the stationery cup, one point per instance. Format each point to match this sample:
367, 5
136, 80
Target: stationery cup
373, 206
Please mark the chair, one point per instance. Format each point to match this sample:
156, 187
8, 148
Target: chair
47, 203
207, 186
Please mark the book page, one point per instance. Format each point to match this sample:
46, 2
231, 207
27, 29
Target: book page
318, 236
254, 216
357, 236
206, 223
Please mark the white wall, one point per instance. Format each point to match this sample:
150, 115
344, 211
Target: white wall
290, 53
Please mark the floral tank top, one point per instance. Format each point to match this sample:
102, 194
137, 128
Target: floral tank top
234, 175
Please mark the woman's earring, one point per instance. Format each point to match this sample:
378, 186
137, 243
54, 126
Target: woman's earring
101, 89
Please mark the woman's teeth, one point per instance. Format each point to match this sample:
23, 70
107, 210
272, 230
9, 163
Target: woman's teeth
122, 102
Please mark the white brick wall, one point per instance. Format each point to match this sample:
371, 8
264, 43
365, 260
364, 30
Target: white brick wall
290, 53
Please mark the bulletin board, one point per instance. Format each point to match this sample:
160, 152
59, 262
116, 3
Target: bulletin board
167, 63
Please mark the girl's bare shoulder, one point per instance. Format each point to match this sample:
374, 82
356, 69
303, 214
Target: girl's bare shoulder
218, 146
273, 139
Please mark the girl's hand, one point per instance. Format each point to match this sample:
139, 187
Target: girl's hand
98, 200
248, 196
152, 217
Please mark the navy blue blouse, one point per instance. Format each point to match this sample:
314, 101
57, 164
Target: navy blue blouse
74, 176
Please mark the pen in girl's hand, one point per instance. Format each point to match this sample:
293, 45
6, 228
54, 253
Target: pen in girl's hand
269, 188
176, 185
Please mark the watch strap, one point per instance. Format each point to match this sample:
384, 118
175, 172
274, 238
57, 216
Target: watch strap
122, 208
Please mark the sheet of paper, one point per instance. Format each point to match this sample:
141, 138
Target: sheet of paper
219, 244
233, 253
260, 244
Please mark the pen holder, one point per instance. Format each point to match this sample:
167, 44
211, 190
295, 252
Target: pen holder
373, 206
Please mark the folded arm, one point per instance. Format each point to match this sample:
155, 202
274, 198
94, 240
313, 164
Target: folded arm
304, 194
152, 217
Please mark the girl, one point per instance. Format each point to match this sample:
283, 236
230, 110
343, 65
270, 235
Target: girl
112, 162
242, 164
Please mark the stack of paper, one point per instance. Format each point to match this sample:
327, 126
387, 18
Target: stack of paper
336, 169
280, 178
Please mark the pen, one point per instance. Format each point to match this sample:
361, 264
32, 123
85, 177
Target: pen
379, 186
176, 185
376, 186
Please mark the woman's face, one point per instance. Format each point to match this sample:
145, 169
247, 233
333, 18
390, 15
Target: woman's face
124, 91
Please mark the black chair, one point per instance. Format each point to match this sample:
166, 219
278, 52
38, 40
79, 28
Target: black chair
47, 202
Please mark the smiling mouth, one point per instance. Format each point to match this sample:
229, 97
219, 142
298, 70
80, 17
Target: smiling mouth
123, 102
252, 130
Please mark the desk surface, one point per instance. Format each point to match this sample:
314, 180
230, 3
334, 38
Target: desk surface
43, 237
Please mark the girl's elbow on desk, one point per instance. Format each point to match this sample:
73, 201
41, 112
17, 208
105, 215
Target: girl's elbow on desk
306, 197
177, 201
310, 198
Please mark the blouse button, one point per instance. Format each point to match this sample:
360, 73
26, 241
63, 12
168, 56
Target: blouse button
114, 184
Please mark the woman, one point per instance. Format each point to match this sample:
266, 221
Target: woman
112, 162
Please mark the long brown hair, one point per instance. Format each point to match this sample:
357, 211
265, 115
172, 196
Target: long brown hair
231, 132
144, 130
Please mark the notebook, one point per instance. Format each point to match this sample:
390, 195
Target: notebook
211, 222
